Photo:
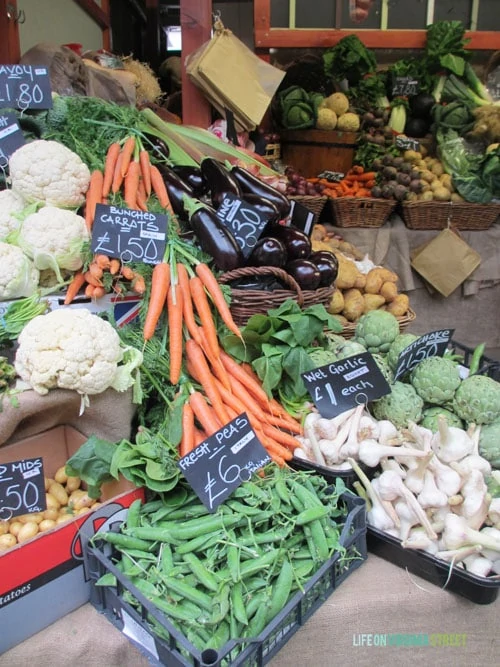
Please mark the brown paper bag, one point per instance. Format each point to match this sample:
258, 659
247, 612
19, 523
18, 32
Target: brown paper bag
234, 78
445, 261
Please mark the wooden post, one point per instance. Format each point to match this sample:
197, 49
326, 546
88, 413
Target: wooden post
152, 50
196, 27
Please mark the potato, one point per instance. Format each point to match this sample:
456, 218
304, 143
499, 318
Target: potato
82, 510
360, 282
336, 304
354, 304
52, 502
83, 501
28, 531
4, 527
51, 514
61, 477
72, 484
46, 524
59, 492
426, 196
372, 302
399, 306
376, 277
48, 481
347, 274
7, 541
389, 290
63, 518
75, 495
28, 518
427, 175
15, 527
456, 198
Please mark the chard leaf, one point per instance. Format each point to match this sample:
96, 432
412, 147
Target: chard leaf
296, 362
173, 422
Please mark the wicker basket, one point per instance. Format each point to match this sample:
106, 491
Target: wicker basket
438, 215
314, 204
349, 329
361, 211
245, 303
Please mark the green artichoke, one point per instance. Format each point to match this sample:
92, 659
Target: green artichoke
376, 330
397, 346
477, 400
384, 367
430, 418
489, 443
400, 407
436, 379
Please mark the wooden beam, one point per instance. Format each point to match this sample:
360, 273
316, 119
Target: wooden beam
100, 16
10, 50
196, 28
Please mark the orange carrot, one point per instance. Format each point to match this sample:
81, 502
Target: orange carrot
174, 314
281, 437
253, 386
160, 189
139, 284
99, 292
204, 376
285, 424
204, 413
205, 273
200, 302
109, 167
141, 197
251, 404
96, 271
127, 272
114, 266
77, 282
199, 436
102, 261
92, 280
132, 184
160, 282
117, 176
145, 170
127, 153
187, 304
215, 363
93, 196
188, 437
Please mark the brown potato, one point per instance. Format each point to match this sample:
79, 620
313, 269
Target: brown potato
59, 492
4, 527
389, 291
372, 302
51, 514
36, 517
399, 306
72, 484
15, 527
353, 304
28, 531
336, 304
7, 541
360, 282
46, 524
52, 502
61, 475
347, 274
376, 277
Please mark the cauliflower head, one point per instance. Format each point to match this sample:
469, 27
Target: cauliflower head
348, 122
69, 348
337, 102
436, 379
53, 238
397, 346
489, 443
376, 330
430, 418
400, 407
477, 400
10, 203
326, 120
18, 275
46, 171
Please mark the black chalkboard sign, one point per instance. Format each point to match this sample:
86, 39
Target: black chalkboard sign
129, 235
341, 385
332, 176
301, 217
404, 86
22, 488
431, 344
407, 143
11, 137
25, 87
229, 457
244, 221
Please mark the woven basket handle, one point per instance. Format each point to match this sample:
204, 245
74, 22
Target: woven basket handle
247, 271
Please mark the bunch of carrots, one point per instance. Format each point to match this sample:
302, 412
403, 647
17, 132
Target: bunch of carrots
356, 183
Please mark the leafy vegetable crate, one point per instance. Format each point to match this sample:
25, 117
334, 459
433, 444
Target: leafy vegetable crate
44, 578
178, 651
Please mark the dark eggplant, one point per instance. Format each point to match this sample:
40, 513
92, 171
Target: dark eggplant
193, 177
264, 206
297, 243
215, 238
268, 251
219, 180
264, 283
176, 188
249, 183
159, 148
305, 272
328, 266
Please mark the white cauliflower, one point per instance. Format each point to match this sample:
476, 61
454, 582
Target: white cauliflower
18, 276
72, 348
10, 203
46, 171
53, 238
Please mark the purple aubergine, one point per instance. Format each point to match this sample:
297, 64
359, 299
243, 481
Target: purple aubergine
193, 177
268, 251
215, 238
297, 243
250, 183
269, 211
176, 188
328, 266
305, 272
219, 180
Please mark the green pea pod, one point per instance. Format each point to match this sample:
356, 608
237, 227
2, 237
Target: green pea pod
220, 636
233, 562
254, 565
311, 514
319, 538
133, 514
237, 604
124, 542
189, 592
477, 355
166, 558
281, 590
259, 620
202, 574
221, 605
174, 610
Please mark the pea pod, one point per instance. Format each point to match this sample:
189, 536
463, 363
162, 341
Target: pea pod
237, 605
202, 574
174, 610
281, 590
211, 524
133, 514
311, 514
254, 565
189, 592
124, 542
319, 538
220, 605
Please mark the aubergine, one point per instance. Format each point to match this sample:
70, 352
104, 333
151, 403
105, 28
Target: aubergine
249, 183
297, 243
266, 207
328, 266
268, 251
305, 272
176, 188
193, 177
220, 180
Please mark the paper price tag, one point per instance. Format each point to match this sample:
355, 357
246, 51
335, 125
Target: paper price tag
22, 488
432, 344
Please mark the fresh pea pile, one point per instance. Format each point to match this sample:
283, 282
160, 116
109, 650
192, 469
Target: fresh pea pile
228, 574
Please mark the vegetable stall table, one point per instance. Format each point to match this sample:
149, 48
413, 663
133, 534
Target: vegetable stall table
379, 603
472, 309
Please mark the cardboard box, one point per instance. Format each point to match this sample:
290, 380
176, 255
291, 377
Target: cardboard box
45, 578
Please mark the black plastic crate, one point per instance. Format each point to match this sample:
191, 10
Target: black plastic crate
487, 366
481, 590
174, 650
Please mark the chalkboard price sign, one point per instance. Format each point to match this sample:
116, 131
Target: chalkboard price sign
407, 143
11, 137
22, 488
222, 462
244, 221
301, 217
332, 176
344, 384
25, 87
404, 86
432, 344
129, 235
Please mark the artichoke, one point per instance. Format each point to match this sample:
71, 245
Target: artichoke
397, 346
436, 379
489, 443
400, 407
430, 418
376, 330
477, 400
384, 367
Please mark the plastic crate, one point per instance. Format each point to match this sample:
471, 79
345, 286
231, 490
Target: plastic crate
177, 651
488, 366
